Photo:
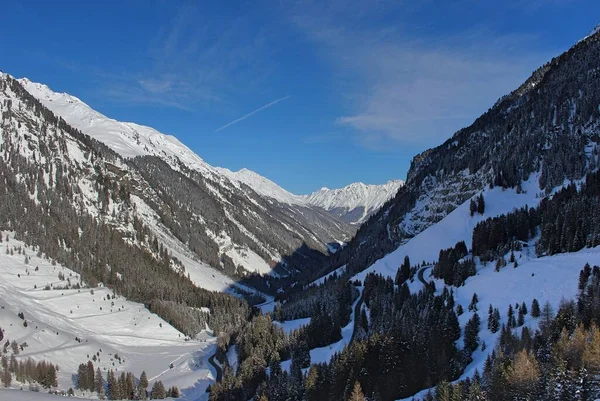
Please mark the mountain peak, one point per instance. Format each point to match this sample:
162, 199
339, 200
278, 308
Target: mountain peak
355, 202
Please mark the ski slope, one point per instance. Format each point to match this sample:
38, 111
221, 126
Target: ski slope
104, 324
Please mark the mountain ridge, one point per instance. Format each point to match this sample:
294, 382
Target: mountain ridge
355, 202
131, 140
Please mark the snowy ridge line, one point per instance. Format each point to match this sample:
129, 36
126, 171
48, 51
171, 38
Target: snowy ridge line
357, 199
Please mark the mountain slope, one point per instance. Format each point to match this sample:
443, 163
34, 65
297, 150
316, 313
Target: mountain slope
355, 202
549, 125
210, 213
67, 325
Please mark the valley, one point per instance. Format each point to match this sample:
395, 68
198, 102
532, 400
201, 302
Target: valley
130, 268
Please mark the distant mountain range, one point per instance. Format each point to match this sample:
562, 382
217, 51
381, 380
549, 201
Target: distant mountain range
356, 202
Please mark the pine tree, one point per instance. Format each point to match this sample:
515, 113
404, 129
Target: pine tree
535, 308
99, 382
82, 377
89, 376
472, 333
143, 385
6, 376
113, 387
473, 304
521, 318
443, 391
357, 394
480, 204
511, 316
158, 391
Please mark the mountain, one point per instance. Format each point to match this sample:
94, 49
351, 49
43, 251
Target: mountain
501, 218
238, 222
354, 203
550, 125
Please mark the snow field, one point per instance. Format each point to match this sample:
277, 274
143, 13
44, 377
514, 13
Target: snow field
69, 326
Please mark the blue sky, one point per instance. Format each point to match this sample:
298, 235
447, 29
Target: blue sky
343, 91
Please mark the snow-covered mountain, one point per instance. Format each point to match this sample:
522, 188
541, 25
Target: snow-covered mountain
355, 202
240, 202
548, 125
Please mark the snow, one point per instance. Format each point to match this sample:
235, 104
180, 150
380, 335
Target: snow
324, 354
339, 271
57, 316
356, 195
263, 186
232, 357
456, 226
291, 325
547, 279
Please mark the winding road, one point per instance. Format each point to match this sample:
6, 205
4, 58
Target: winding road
421, 272
356, 317
215, 365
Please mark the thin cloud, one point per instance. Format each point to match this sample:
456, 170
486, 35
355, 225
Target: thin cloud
266, 106
397, 85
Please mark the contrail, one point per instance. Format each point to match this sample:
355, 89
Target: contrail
266, 106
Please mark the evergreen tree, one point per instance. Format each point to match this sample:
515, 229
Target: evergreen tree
480, 204
474, 301
357, 393
90, 376
158, 391
535, 308
510, 317
143, 385
99, 383
472, 207
472, 333
112, 386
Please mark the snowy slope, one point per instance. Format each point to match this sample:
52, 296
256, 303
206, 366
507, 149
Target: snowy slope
253, 226
355, 202
105, 326
131, 140
456, 226
263, 186
549, 279
127, 139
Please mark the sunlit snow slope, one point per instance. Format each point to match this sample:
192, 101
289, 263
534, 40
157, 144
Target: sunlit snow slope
105, 325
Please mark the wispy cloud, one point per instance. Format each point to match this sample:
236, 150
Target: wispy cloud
195, 61
266, 106
411, 87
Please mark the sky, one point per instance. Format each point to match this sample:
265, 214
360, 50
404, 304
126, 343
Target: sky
308, 93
